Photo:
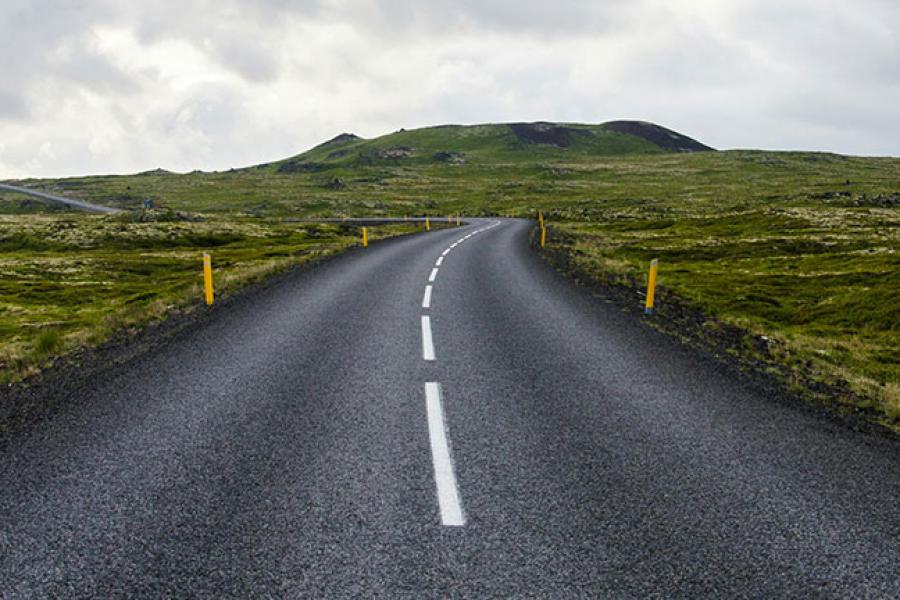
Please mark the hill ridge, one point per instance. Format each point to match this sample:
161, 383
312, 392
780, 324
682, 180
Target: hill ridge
491, 142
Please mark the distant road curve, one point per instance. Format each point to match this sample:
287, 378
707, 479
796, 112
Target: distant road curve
68, 201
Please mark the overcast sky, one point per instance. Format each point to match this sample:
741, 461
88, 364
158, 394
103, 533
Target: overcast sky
105, 86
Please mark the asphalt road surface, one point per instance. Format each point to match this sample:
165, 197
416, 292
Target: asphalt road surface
440, 415
79, 204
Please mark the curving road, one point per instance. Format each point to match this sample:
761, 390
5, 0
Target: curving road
79, 204
316, 441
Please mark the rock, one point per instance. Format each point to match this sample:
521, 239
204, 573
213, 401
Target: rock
335, 183
452, 158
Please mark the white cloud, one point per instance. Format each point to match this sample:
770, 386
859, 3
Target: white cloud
99, 86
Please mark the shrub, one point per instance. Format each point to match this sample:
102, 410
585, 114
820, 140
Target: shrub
48, 342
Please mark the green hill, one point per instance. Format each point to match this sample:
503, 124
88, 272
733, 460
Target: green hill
513, 142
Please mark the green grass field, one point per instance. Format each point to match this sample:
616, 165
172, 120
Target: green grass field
75, 279
801, 247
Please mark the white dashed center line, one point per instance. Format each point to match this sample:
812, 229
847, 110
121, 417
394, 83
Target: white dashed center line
427, 342
444, 478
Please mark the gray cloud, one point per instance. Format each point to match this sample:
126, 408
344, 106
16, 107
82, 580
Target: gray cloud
565, 18
101, 85
12, 106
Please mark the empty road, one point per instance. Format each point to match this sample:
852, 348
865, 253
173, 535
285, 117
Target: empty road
79, 204
440, 415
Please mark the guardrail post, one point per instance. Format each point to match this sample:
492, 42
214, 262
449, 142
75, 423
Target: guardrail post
207, 278
651, 286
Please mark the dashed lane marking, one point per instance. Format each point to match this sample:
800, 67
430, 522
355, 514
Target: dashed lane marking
427, 341
444, 477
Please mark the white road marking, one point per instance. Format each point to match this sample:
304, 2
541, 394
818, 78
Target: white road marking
433, 275
444, 479
439, 261
445, 252
427, 342
426, 301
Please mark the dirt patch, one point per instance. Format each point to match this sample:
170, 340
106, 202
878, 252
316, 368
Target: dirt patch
662, 137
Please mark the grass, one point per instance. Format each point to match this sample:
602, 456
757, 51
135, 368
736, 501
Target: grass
74, 280
821, 282
800, 247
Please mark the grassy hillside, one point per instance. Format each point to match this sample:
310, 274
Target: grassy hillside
802, 248
489, 144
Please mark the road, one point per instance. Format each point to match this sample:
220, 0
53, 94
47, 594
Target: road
79, 204
315, 441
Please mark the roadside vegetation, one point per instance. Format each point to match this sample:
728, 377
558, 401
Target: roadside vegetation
799, 249
74, 280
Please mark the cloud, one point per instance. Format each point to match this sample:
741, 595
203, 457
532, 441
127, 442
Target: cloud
103, 86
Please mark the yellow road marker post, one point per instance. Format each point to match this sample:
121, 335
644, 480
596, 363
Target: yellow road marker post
541, 218
457, 218
365, 235
427, 224
543, 236
207, 278
651, 287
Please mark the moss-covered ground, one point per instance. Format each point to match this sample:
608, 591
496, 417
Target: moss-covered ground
73, 280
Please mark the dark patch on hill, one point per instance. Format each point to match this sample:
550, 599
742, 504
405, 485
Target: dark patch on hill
662, 137
549, 134
299, 166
